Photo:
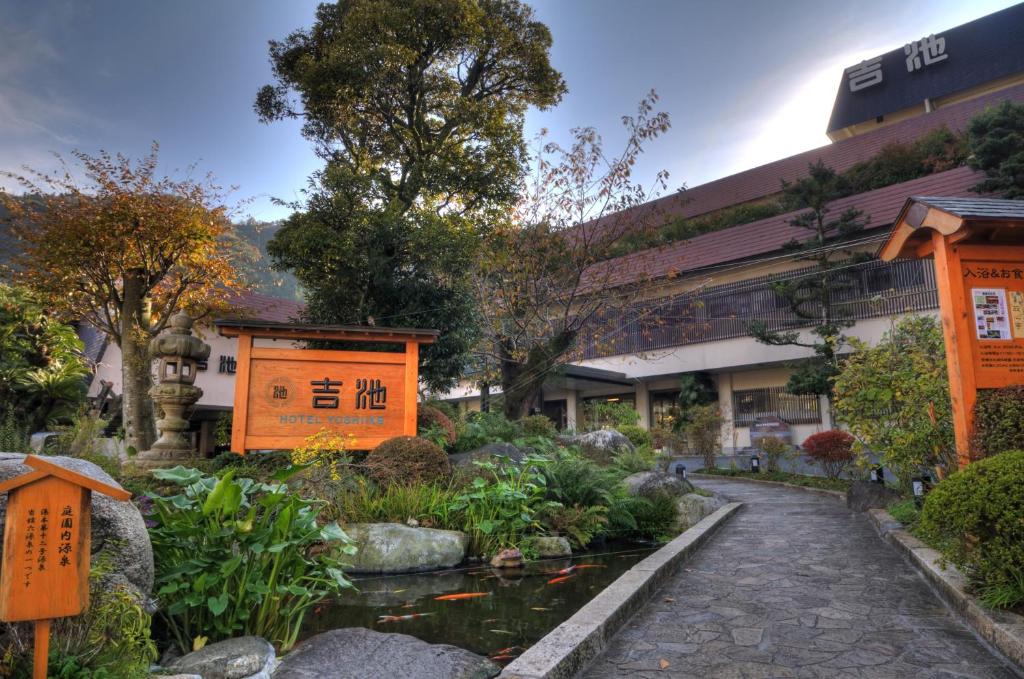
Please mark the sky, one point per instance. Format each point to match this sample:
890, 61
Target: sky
745, 82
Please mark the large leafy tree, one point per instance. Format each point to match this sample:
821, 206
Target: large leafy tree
123, 249
816, 298
996, 139
417, 108
544, 284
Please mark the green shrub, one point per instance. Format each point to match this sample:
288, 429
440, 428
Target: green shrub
775, 449
703, 430
906, 512
578, 524
998, 414
481, 428
14, 436
538, 426
237, 557
667, 439
503, 504
428, 504
653, 517
636, 434
407, 460
430, 420
574, 480
643, 459
599, 414
894, 397
974, 518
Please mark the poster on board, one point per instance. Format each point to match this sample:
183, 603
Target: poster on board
991, 316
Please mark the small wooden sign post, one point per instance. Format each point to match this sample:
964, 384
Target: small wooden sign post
978, 246
283, 395
45, 572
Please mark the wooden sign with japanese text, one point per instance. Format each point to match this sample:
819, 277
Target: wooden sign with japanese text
994, 292
47, 530
46, 538
283, 396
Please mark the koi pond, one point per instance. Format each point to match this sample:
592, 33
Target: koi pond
494, 612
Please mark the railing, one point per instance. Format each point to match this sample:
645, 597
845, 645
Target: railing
868, 290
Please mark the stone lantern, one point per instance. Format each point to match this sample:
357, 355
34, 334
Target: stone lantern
179, 353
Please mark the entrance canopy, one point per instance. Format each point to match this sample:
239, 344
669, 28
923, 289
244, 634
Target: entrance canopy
968, 221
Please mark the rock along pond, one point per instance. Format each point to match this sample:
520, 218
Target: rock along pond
511, 611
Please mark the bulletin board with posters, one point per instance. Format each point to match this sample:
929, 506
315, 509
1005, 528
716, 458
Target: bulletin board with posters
283, 395
994, 292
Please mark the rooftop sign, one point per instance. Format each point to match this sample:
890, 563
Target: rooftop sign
932, 66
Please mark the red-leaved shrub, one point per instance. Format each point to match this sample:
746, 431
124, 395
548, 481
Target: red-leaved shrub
831, 450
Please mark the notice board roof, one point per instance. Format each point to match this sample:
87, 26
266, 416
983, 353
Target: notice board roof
297, 331
975, 220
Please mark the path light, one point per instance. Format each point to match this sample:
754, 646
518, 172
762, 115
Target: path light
920, 486
755, 464
681, 470
878, 475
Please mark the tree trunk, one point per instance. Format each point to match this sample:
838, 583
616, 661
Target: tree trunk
522, 381
136, 368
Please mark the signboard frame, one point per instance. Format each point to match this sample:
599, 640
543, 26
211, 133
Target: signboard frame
251, 428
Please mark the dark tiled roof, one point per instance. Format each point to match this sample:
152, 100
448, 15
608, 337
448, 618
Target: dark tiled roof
753, 240
254, 306
984, 208
842, 155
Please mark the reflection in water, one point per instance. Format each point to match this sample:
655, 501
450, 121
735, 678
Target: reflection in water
511, 609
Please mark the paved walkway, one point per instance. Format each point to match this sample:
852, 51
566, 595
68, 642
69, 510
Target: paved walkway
795, 586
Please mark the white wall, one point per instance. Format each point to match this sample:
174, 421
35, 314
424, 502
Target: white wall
218, 388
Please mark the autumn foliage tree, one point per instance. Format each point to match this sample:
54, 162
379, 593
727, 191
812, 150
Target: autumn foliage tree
123, 249
543, 278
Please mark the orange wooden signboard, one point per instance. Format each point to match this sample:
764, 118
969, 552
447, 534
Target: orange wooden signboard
47, 530
284, 395
978, 246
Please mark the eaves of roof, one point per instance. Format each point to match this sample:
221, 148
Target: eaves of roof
766, 236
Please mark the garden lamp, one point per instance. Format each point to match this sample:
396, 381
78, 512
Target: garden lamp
681, 470
755, 464
878, 475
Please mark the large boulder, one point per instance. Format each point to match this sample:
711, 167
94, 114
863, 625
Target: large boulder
488, 452
603, 445
693, 507
119, 533
647, 484
359, 653
550, 546
397, 548
239, 658
865, 495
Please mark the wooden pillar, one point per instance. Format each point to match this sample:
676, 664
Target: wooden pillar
412, 365
957, 329
239, 418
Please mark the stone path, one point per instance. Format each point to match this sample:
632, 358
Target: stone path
795, 586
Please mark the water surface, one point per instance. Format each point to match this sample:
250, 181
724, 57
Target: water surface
519, 608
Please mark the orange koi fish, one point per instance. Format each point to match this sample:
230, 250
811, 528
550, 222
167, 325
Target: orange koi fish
460, 596
539, 608
508, 650
564, 571
555, 581
503, 656
589, 565
399, 618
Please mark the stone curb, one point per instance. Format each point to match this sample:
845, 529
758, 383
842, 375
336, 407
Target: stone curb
1004, 630
571, 646
833, 494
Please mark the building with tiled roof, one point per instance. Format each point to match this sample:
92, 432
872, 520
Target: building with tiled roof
216, 377
701, 294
